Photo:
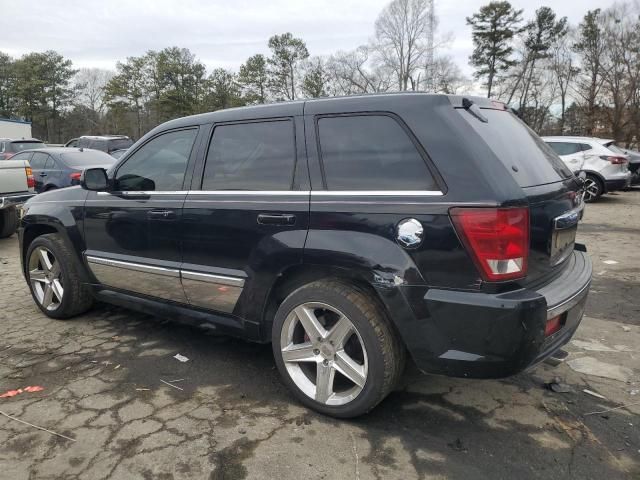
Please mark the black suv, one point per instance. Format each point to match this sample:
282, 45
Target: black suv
345, 231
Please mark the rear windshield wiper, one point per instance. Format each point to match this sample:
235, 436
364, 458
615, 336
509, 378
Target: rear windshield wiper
473, 109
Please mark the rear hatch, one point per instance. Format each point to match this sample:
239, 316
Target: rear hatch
551, 189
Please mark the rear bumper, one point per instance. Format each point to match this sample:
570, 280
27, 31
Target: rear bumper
14, 200
480, 335
618, 183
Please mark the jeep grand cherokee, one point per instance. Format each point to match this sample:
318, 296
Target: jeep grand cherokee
348, 232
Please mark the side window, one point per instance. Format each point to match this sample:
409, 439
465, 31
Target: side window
251, 156
22, 156
159, 164
564, 148
38, 160
50, 163
585, 147
370, 152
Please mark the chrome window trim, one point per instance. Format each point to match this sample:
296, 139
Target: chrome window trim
168, 272
376, 193
211, 278
314, 193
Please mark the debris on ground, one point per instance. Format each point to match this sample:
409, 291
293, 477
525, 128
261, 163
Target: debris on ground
610, 262
458, 446
634, 392
626, 329
143, 389
13, 393
594, 394
592, 366
558, 386
36, 426
172, 385
180, 358
612, 409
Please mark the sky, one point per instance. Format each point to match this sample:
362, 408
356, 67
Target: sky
223, 33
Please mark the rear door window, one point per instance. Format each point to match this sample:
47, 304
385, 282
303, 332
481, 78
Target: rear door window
251, 156
565, 148
371, 152
38, 160
530, 160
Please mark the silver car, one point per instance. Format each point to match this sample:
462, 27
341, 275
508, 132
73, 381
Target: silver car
606, 170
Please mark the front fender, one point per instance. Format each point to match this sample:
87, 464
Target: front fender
47, 214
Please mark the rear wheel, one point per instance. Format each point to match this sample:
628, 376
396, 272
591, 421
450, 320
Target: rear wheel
593, 188
8, 221
335, 348
54, 279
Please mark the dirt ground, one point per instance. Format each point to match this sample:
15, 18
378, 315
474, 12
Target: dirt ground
231, 418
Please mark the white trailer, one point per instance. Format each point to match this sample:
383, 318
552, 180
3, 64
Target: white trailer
14, 129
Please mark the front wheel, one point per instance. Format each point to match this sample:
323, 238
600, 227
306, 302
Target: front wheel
54, 278
593, 188
335, 349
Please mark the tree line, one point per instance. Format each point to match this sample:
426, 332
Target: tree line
560, 78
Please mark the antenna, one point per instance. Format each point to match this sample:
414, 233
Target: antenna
430, 67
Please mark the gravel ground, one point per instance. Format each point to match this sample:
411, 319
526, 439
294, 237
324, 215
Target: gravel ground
230, 417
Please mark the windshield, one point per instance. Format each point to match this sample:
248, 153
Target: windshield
530, 160
87, 158
20, 146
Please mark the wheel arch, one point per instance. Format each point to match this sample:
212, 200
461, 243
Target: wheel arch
599, 176
299, 275
33, 228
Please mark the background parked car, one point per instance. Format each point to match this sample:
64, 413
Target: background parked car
61, 167
9, 147
634, 160
105, 143
606, 170
72, 143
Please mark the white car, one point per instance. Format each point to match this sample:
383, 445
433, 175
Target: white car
606, 169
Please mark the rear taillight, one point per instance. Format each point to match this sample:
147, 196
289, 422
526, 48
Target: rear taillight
75, 176
553, 325
615, 160
496, 238
31, 183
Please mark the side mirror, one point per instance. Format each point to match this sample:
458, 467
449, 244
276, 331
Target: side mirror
94, 179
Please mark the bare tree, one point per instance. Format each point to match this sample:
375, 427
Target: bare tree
353, 73
401, 39
563, 65
448, 77
90, 83
620, 66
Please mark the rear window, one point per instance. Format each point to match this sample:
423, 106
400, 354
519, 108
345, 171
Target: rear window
518, 147
371, 152
20, 146
87, 158
120, 143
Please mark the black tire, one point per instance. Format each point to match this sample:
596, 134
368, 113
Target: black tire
595, 186
8, 221
386, 353
77, 297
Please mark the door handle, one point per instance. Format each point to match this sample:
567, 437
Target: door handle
42, 174
276, 219
161, 214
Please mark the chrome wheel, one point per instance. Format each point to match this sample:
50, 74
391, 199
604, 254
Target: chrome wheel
591, 189
323, 353
45, 278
